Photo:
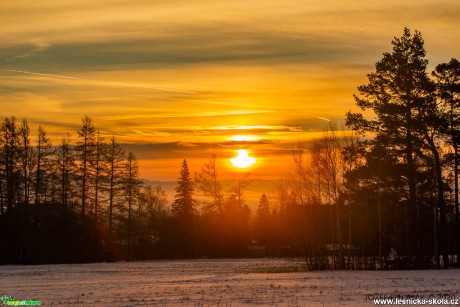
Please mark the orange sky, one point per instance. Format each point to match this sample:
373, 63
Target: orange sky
178, 79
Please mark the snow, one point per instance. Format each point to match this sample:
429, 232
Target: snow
222, 282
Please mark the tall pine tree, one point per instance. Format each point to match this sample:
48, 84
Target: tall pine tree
184, 232
406, 123
184, 204
447, 80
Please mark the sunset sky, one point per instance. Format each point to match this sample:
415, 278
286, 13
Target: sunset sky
186, 79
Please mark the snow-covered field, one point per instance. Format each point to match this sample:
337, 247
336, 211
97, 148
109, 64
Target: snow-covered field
242, 282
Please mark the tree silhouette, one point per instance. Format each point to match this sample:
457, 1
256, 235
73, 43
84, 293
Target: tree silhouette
98, 165
153, 213
263, 219
85, 151
209, 184
131, 189
407, 124
10, 144
447, 79
115, 157
388, 183
184, 204
43, 153
26, 160
65, 159
183, 230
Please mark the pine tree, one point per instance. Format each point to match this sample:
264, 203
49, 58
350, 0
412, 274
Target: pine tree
184, 204
447, 79
406, 121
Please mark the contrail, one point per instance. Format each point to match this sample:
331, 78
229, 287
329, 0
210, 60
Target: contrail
47, 75
106, 83
97, 82
328, 120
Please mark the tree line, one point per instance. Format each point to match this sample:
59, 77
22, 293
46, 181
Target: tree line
382, 193
391, 181
412, 158
79, 201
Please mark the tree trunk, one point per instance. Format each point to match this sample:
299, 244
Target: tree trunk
442, 234
112, 171
411, 178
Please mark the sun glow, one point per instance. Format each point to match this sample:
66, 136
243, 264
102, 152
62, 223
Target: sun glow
240, 138
242, 160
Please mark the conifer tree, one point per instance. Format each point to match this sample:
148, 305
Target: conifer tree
447, 80
406, 122
184, 204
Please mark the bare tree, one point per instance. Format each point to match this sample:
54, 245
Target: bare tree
9, 142
67, 167
43, 152
85, 151
447, 80
115, 157
154, 212
208, 183
132, 186
26, 160
98, 165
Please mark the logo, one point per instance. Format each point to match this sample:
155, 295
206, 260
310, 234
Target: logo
8, 300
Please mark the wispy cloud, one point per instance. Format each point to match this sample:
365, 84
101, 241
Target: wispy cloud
323, 118
101, 83
188, 75
187, 114
37, 46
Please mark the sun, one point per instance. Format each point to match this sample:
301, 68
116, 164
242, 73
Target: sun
242, 160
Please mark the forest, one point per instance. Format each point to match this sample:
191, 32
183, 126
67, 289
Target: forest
380, 194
